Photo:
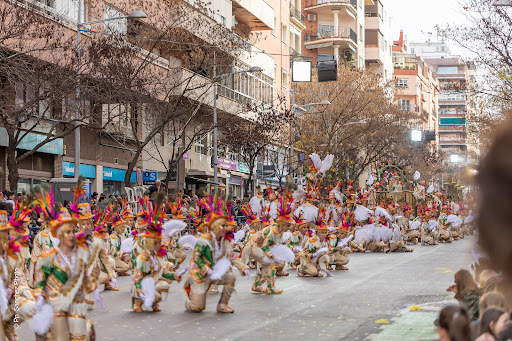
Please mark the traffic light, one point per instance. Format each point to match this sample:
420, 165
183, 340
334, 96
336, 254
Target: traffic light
327, 71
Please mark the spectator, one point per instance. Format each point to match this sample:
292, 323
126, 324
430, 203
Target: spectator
154, 188
9, 198
453, 324
2, 196
94, 198
119, 199
102, 198
488, 329
466, 292
505, 332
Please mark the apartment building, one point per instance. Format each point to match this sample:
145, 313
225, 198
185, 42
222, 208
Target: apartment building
378, 39
104, 156
457, 101
335, 30
417, 89
456, 105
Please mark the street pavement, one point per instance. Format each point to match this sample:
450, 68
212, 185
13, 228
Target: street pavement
370, 301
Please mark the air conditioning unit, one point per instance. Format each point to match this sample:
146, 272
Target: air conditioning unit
311, 17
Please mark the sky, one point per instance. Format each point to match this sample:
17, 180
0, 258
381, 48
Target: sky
419, 17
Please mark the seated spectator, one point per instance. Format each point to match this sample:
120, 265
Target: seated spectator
466, 292
491, 299
453, 324
488, 329
505, 332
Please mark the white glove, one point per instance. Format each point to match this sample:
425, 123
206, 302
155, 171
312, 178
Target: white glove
329, 274
142, 296
179, 274
247, 273
39, 303
113, 281
210, 272
97, 298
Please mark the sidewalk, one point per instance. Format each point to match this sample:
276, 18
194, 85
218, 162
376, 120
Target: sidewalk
412, 325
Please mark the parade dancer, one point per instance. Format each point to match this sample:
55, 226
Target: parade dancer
62, 283
211, 263
298, 238
272, 235
20, 300
115, 240
315, 253
152, 274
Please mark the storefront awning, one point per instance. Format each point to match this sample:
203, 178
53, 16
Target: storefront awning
190, 179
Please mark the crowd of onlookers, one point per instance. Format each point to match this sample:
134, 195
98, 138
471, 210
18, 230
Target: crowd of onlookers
485, 297
484, 310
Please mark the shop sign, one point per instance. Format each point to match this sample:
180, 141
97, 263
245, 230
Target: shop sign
31, 140
149, 177
235, 180
227, 164
114, 174
87, 171
243, 167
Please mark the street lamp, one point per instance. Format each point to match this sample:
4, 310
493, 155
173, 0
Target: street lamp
215, 170
133, 15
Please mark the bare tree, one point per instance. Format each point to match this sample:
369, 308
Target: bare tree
361, 125
253, 132
38, 78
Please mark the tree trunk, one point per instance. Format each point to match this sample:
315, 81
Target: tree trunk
131, 166
12, 166
168, 176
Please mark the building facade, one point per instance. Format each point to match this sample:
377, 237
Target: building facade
417, 89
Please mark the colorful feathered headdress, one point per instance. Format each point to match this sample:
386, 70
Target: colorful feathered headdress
45, 205
156, 217
319, 221
284, 211
126, 211
176, 209
115, 215
251, 217
19, 217
299, 220
100, 220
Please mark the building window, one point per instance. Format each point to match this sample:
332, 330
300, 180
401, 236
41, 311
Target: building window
447, 70
275, 27
223, 20
403, 83
284, 34
404, 104
360, 32
285, 79
361, 62
201, 146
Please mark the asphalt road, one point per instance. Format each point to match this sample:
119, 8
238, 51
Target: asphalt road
377, 287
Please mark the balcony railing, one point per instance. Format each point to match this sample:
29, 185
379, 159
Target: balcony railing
297, 14
327, 31
311, 3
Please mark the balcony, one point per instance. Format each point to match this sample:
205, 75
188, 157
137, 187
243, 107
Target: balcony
319, 6
297, 17
256, 14
326, 35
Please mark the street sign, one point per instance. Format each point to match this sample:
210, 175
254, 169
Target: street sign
149, 177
